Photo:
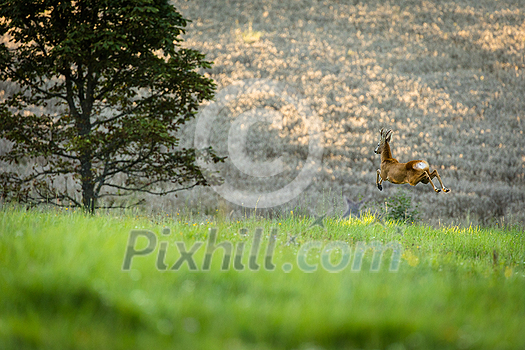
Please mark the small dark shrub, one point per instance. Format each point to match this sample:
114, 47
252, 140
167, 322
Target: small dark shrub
399, 208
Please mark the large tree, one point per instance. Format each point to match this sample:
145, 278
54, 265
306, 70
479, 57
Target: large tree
119, 86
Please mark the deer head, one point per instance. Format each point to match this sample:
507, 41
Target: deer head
385, 137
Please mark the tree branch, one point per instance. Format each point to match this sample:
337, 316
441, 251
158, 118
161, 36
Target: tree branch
144, 190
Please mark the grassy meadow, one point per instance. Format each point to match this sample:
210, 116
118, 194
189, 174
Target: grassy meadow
62, 284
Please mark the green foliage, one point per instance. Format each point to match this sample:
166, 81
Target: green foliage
400, 209
62, 286
121, 86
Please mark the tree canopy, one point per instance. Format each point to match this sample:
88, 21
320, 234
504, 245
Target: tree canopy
103, 87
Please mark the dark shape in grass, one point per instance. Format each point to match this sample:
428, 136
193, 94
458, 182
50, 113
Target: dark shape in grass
353, 208
318, 221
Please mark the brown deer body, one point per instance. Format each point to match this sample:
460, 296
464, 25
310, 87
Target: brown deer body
413, 172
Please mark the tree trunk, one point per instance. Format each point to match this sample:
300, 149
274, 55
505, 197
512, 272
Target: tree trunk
88, 185
86, 162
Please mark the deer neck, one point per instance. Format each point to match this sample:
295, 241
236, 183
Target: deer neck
386, 154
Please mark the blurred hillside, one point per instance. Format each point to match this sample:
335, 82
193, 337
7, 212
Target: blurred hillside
447, 77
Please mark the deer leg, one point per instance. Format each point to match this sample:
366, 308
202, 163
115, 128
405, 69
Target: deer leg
379, 180
435, 174
429, 178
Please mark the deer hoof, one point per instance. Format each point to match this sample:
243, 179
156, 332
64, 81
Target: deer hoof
437, 190
446, 190
380, 187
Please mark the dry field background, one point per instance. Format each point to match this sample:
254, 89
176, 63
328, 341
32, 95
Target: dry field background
447, 77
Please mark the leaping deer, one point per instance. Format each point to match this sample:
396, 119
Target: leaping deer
413, 172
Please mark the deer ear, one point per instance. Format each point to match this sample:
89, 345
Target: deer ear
388, 136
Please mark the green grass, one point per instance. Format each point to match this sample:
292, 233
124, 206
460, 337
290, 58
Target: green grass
62, 286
